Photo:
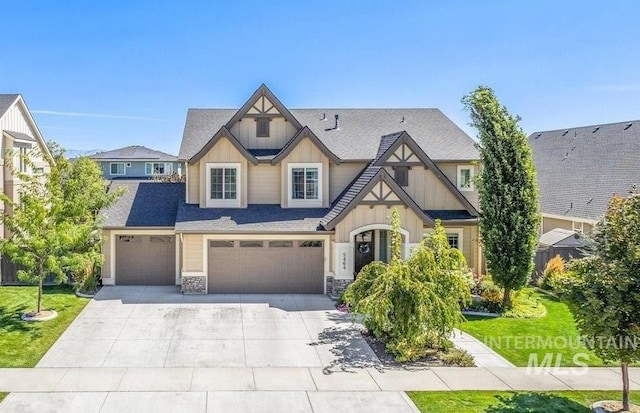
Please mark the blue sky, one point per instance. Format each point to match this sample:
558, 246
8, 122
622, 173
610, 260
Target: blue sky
112, 73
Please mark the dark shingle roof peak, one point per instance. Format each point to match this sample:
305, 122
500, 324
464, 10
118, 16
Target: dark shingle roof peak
6, 100
591, 128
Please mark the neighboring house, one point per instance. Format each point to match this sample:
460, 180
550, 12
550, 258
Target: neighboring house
137, 162
282, 200
580, 169
20, 138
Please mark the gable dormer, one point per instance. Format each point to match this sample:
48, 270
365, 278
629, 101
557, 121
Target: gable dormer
263, 122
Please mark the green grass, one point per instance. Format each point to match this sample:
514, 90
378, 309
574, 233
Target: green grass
554, 333
22, 343
2, 396
504, 402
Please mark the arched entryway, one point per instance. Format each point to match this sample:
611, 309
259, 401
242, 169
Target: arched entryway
373, 243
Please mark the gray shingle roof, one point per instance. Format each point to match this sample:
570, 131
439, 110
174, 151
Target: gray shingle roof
579, 169
561, 237
254, 218
359, 132
135, 152
6, 100
20, 135
346, 198
145, 204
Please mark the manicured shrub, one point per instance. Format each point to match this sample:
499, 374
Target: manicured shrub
553, 273
457, 357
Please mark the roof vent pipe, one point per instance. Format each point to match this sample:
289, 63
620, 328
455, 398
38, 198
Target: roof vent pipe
324, 117
337, 126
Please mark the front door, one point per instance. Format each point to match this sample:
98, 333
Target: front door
365, 250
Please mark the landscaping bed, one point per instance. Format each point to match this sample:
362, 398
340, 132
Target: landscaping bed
22, 343
554, 333
503, 402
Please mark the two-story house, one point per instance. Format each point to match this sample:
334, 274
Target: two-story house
281, 200
137, 162
21, 140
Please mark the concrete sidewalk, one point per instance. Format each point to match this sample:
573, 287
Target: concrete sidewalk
308, 379
483, 356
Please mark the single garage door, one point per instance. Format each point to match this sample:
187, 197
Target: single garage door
145, 260
266, 267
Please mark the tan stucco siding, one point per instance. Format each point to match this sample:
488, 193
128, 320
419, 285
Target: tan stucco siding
450, 170
428, 191
193, 183
264, 184
223, 152
341, 175
363, 215
550, 223
280, 131
304, 152
192, 259
105, 271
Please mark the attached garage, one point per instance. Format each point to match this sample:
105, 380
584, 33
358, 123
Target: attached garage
266, 267
145, 259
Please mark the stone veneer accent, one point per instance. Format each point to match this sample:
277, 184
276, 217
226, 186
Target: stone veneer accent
336, 287
194, 284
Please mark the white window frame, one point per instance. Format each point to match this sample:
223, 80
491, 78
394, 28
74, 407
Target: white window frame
124, 168
449, 231
223, 203
168, 168
471, 169
304, 203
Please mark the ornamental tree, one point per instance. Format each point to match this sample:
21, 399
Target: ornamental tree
509, 218
412, 304
603, 289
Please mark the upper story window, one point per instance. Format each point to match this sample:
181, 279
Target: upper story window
262, 127
116, 168
158, 168
223, 183
465, 178
401, 175
305, 185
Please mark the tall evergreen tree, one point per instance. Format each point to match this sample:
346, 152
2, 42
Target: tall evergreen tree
508, 191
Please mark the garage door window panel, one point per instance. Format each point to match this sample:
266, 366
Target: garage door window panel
280, 244
221, 244
251, 244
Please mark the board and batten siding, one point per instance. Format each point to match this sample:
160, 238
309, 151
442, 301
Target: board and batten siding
193, 183
340, 176
280, 131
223, 152
428, 191
450, 170
363, 215
14, 120
192, 259
264, 184
304, 152
105, 270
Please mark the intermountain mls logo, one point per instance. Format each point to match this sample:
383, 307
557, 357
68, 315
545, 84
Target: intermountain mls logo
549, 354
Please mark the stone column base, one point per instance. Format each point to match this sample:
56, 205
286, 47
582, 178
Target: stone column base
194, 284
335, 287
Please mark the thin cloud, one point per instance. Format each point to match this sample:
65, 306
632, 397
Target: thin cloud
95, 115
629, 87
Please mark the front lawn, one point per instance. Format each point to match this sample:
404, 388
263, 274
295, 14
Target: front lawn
516, 338
22, 344
2, 396
504, 402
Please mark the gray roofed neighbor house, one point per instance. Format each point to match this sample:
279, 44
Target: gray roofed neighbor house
358, 136
254, 218
579, 169
6, 100
145, 204
134, 152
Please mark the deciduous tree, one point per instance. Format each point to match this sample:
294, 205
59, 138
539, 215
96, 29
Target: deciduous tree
603, 289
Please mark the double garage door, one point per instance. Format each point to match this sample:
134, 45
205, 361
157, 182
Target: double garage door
266, 267
145, 260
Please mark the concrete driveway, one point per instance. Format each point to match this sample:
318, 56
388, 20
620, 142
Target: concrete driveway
156, 326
